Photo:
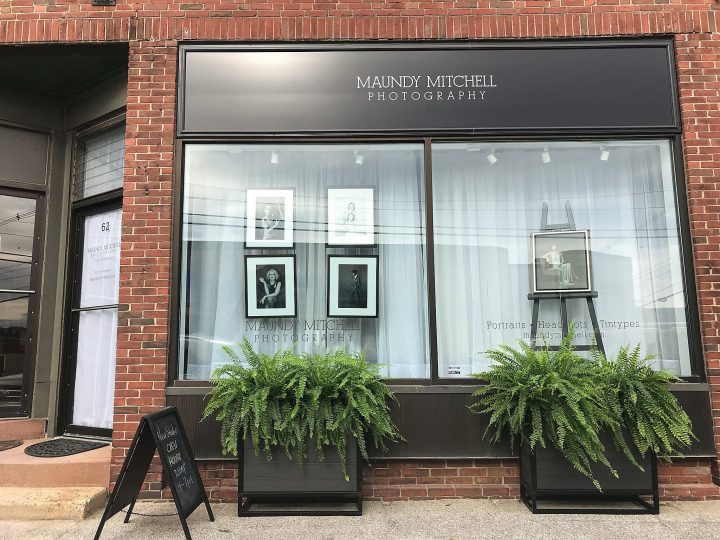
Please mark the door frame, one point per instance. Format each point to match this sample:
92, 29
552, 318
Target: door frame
24, 409
102, 203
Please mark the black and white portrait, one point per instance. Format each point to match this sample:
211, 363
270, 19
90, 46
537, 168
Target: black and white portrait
269, 220
351, 217
270, 286
561, 261
352, 286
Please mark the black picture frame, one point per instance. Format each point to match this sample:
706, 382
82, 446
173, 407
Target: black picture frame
339, 305
252, 265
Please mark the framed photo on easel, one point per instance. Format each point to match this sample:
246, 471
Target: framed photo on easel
561, 262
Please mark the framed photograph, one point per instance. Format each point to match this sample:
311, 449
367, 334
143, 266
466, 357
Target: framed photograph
269, 218
561, 261
351, 217
270, 286
353, 286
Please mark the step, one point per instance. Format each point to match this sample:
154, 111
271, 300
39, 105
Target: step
17, 469
22, 428
73, 503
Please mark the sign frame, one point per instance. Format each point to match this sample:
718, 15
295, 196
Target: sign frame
292, 126
129, 481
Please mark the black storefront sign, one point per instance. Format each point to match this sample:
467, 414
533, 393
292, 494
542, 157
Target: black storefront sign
530, 86
162, 431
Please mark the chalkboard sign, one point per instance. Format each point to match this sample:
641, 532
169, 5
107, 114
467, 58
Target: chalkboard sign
162, 431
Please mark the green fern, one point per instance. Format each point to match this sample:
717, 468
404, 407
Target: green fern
649, 412
283, 400
541, 396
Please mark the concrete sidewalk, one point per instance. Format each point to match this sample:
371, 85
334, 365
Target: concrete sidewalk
449, 519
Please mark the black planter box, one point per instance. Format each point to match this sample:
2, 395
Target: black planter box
282, 488
545, 475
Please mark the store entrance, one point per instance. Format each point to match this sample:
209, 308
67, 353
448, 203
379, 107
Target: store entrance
18, 297
93, 320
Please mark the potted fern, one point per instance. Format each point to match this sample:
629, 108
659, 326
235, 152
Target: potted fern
300, 424
573, 417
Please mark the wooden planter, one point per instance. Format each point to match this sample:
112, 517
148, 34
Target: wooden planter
545, 475
282, 488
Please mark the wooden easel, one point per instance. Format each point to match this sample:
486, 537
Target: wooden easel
563, 296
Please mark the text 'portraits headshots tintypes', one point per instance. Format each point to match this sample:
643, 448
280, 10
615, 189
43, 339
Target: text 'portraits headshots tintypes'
269, 218
353, 286
351, 217
270, 286
561, 261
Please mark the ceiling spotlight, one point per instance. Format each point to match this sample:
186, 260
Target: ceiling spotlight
359, 159
491, 157
545, 155
604, 154
274, 158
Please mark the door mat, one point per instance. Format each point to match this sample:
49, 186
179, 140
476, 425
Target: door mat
62, 447
7, 445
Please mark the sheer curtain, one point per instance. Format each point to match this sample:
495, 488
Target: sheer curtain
485, 214
216, 181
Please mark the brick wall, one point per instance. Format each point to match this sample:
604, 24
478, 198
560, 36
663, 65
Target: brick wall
402, 480
153, 30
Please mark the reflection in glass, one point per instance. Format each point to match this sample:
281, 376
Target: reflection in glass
99, 163
486, 213
216, 184
13, 345
17, 227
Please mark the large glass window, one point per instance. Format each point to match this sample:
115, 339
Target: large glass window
323, 246
311, 246
489, 201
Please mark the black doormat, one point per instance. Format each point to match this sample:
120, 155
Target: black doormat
62, 447
7, 445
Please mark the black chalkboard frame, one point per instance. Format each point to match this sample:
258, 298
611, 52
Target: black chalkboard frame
137, 462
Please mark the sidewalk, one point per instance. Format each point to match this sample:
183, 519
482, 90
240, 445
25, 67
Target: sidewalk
449, 519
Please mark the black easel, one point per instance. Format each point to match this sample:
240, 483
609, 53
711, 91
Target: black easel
564, 296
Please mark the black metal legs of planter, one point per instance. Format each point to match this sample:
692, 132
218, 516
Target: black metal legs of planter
303, 504
549, 485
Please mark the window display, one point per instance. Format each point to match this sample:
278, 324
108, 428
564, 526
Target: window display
269, 218
270, 288
352, 286
271, 237
489, 255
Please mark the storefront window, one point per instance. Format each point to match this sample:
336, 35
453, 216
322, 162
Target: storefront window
488, 202
308, 246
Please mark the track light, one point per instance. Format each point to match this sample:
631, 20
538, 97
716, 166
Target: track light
604, 154
274, 158
359, 158
545, 155
491, 157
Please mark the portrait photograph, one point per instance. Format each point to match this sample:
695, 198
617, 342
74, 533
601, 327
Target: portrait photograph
353, 286
561, 261
351, 217
269, 218
270, 286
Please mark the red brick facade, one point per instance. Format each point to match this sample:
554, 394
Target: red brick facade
403, 480
153, 30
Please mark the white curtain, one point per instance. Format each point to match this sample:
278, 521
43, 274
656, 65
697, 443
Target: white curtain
485, 214
213, 275
97, 329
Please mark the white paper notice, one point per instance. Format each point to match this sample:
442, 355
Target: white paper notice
101, 260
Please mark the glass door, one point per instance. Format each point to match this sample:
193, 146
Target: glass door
94, 316
18, 269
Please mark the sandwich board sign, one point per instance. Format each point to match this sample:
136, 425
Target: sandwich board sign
162, 431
